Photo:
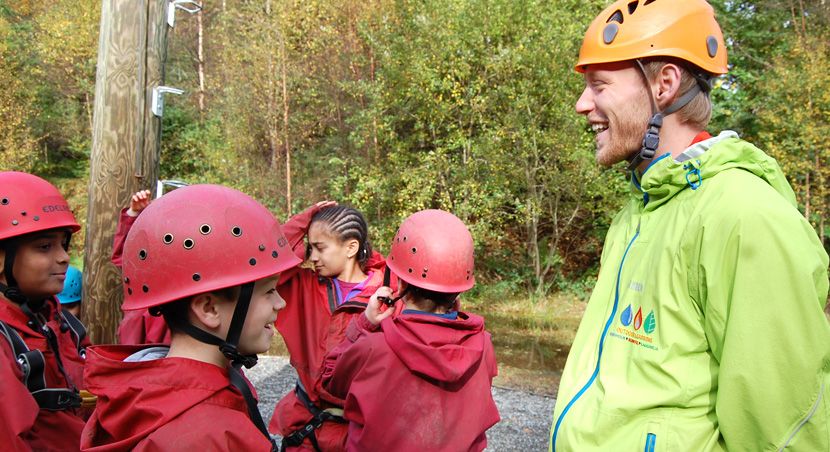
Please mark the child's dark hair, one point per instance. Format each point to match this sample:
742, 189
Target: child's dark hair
176, 312
347, 223
443, 299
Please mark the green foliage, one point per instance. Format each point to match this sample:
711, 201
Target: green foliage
397, 105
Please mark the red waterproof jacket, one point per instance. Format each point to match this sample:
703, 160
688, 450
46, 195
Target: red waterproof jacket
421, 383
137, 327
51, 430
312, 324
19, 409
164, 404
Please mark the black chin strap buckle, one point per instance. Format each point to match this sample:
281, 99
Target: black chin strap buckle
13, 293
232, 353
651, 141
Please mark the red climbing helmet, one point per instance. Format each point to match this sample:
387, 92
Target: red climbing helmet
30, 204
197, 239
433, 250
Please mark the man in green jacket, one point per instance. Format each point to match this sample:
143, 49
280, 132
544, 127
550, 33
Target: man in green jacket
706, 330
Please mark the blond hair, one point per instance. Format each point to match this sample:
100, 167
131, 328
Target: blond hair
698, 112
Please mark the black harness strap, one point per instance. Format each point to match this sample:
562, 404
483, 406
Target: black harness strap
318, 417
78, 331
239, 382
332, 295
33, 364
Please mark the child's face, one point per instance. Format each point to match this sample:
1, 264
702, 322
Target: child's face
328, 253
41, 262
262, 313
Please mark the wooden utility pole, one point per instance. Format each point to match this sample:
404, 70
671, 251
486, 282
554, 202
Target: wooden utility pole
125, 144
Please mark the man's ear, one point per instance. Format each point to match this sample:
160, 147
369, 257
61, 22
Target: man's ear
668, 85
352, 247
204, 307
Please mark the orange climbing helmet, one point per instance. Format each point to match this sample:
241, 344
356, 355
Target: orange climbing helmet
632, 29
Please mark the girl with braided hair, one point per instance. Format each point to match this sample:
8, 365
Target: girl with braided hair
320, 303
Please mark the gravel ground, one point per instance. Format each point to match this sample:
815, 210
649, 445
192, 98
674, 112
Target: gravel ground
525, 417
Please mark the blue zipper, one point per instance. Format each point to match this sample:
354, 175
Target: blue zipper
601, 344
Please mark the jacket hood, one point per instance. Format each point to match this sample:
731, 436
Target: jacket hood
376, 262
444, 350
667, 177
134, 397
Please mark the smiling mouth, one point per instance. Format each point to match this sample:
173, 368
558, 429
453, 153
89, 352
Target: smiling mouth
599, 128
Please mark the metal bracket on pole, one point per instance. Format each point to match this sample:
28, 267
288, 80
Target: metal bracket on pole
168, 183
178, 4
158, 98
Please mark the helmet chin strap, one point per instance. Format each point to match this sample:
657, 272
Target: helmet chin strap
229, 346
651, 139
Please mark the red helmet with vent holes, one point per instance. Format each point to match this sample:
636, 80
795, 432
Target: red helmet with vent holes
30, 204
197, 239
433, 250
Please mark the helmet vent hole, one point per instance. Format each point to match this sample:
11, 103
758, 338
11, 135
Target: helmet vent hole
197, 277
188, 243
167, 239
404, 238
414, 250
236, 231
126, 280
145, 289
262, 247
274, 254
37, 218
14, 222
252, 261
632, 7
616, 17
129, 291
142, 254
712, 46
204, 229
410, 270
4, 201
423, 275
609, 33
23, 213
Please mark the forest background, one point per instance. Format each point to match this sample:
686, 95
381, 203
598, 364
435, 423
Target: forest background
394, 106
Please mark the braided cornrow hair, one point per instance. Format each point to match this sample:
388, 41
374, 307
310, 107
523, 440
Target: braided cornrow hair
347, 223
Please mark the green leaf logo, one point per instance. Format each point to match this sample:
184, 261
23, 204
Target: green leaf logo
650, 324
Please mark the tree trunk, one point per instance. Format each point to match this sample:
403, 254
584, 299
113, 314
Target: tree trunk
284, 73
125, 144
200, 55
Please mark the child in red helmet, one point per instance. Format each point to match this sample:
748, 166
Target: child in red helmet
41, 353
207, 258
321, 303
418, 377
137, 327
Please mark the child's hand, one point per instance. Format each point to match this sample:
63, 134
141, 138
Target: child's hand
140, 200
324, 204
377, 311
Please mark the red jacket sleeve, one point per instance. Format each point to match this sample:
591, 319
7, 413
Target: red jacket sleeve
18, 409
336, 375
125, 222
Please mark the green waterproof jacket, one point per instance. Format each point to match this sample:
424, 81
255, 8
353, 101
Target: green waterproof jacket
706, 330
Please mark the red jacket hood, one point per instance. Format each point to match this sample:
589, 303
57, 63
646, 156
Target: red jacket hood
441, 349
134, 398
376, 262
